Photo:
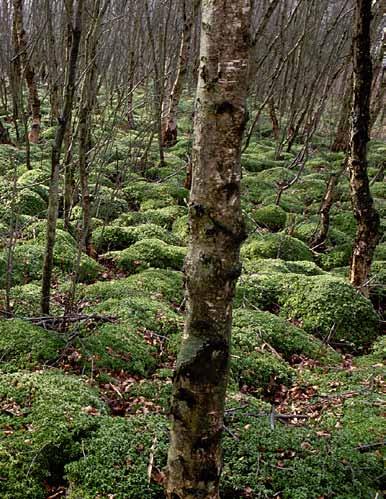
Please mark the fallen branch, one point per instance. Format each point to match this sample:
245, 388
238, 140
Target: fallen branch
59, 322
371, 447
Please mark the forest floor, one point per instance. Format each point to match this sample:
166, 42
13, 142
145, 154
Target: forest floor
84, 402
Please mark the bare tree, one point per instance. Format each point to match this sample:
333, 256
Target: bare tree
367, 217
55, 158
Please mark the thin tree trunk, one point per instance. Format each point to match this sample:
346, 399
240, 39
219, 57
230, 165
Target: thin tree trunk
169, 129
212, 265
55, 160
342, 137
274, 120
4, 135
321, 234
367, 217
29, 73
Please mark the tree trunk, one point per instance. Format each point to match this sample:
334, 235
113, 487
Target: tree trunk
29, 73
212, 265
274, 120
342, 137
4, 135
367, 217
321, 234
55, 160
169, 129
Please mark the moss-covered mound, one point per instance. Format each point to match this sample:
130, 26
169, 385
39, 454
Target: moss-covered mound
270, 217
141, 313
113, 237
275, 246
116, 460
325, 306
295, 462
157, 283
255, 329
23, 345
46, 415
149, 253
115, 347
164, 217
331, 309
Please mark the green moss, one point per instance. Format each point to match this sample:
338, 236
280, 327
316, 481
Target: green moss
254, 328
254, 189
154, 283
271, 217
116, 459
142, 314
306, 231
114, 237
262, 371
345, 222
338, 256
108, 204
149, 253
305, 268
293, 462
47, 414
163, 217
275, 246
116, 347
332, 309
380, 252
181, 228
27, 264
30, 203
24, 345
35, 180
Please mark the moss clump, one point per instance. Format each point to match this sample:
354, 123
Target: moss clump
345, 222
262, 371
108, 204
116, 347
262, 290
295, 462
181, 228
332, 309
23, 345
380, 252
30, 203
306, 231
338, 256
66, 256
35, 180
149, 253
47, 413
254, 328
154, 283
266, 265
164, 217
27, 264
142, 314
275, 246
116, 459
114, 237
271, 217
325, 306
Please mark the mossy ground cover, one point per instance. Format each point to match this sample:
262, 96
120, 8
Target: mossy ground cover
84, 411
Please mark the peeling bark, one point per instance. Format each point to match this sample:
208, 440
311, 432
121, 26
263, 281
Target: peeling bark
212, 265
366, 215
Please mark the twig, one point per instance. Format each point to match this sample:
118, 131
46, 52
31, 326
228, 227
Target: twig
370, 447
